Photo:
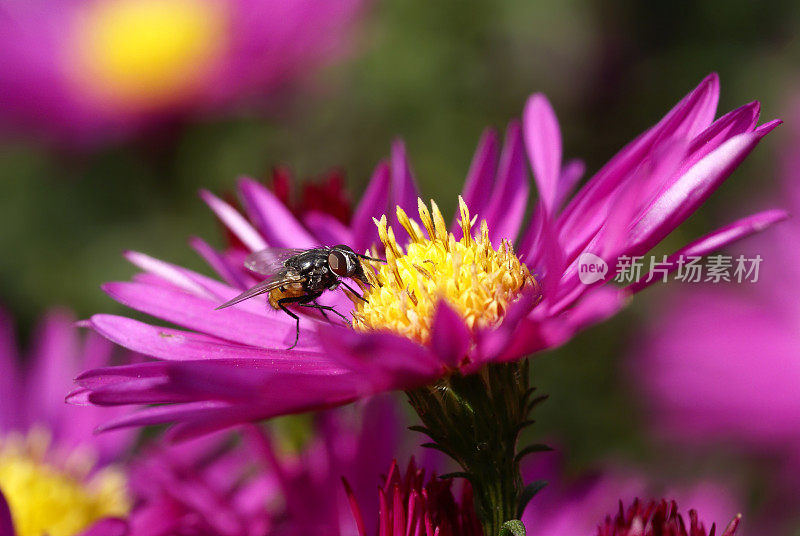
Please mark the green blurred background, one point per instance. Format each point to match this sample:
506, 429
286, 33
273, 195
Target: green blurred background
435, 74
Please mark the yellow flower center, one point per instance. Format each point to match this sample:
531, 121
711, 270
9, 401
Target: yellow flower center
140, 53
477, 280
56, 501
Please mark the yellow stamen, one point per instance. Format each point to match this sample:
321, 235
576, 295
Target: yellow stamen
57, 501
146, 53
478, 281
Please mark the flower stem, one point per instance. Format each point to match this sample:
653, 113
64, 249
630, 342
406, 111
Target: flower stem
476, 420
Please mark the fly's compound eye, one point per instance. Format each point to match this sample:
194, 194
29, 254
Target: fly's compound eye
339, 263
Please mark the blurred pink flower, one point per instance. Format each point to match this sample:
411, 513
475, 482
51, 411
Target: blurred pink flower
231, 366
86, 69
55, 473
216, 486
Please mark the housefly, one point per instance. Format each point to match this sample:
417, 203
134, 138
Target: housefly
300, 276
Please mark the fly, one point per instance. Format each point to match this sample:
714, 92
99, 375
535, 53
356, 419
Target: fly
300, 276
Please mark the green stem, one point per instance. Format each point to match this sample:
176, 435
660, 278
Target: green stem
476, 420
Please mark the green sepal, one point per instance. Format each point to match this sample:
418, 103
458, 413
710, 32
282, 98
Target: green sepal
456, 474
512, 528
528, 493
530, 449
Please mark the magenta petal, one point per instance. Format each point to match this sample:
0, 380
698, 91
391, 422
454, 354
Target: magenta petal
54, 364
277, 224
327, 230
735, 122
687, 193
510, 195
383, 361
543, 141
234, 221
10, 384
166, 414
571, 174
176, 275
231, 274
404, 187
722, 237
6, 523
269, 330
107, 527
480, 176
450, 337
691, 115
176, 345
374, 204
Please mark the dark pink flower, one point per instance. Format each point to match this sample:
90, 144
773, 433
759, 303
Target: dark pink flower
412, 503
91, 70
419, 326
657, 519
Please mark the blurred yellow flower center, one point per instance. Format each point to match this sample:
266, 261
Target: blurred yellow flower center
147, 52
477, 280
55, 501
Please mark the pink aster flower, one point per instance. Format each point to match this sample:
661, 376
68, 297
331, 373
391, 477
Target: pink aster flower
448, 315
91, 69
230, 366
56, 476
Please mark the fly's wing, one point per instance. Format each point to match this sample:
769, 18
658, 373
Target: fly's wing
270, 261
281, 278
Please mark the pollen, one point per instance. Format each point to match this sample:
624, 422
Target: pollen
56, 493
475, 279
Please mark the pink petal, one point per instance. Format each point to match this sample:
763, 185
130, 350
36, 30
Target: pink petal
169, 272
374, 203
232, 275
571, 174
718, 239
107, 527
277, 224
404, 187
234, 221
269, 330
693, 112
328, 230
543, 141
509, 198
450, 337
6, 523
687, 193
177, 345
480, 177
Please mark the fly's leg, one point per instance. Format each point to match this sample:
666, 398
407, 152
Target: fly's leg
302, 300
351, 289
296, 318
323, 308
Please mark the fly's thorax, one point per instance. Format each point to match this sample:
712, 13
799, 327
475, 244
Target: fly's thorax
476, 279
